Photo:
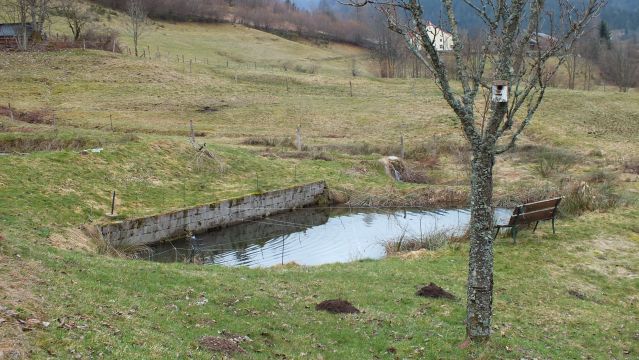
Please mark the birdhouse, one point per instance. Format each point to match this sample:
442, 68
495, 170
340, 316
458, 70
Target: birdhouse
500, 91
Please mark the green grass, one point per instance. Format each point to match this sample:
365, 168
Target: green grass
136, 309
128, 307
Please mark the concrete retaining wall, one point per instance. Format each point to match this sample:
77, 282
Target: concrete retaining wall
199, 219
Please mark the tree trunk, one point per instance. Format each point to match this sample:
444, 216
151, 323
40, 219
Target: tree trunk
480, 267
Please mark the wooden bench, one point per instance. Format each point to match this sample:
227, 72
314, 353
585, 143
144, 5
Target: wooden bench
531, 213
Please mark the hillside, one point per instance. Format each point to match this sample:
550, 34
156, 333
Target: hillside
138, 110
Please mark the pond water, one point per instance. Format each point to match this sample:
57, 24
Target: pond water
312, 236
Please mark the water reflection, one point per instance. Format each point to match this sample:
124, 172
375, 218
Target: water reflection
311, 236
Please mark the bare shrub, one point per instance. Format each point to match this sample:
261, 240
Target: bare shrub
585, 197
549, 160
600, 176
269, 141
631, 166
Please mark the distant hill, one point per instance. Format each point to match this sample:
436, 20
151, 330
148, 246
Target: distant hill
619, 14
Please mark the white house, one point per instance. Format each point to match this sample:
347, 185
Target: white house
442, 40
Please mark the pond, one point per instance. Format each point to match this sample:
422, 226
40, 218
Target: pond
312, 236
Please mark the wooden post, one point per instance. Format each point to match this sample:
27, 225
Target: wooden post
287, 83
350, 84
149, 48
113, 51
182, 58
113, 203
190, 66
111, 120
84, 44
227, 63
257, 181
236, 76
192, 132
143, 52
298, 138
401, 144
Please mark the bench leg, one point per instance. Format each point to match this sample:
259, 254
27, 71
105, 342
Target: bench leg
497, 233
513, 231
535, 228
553, 226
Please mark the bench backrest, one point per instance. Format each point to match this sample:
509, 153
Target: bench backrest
536, 211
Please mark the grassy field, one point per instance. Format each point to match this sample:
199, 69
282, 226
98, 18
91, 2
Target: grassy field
570, 295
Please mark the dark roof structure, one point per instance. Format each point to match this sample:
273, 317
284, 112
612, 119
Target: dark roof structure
13, 30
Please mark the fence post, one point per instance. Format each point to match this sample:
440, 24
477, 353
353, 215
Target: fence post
192, 132
401, 144
298, 138
111, 120
190, 66
113, 203
287, 83
350, 84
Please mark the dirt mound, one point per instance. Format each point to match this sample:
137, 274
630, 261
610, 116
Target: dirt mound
220, 344
434, 291
337, 307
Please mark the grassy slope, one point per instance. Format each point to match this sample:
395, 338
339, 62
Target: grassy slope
127, 305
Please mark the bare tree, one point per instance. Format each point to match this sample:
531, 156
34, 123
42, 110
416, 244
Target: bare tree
76, 14
509, 27
137, 21
571, 65
39, 12
621, 65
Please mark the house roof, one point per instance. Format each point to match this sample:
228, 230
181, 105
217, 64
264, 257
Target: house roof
438, 29
12, 30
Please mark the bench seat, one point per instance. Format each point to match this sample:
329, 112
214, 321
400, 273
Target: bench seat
531, 213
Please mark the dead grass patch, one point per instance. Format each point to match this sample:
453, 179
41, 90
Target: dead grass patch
41, 116
439, 196
269, 141
88, 238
